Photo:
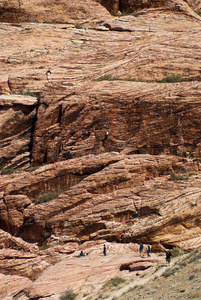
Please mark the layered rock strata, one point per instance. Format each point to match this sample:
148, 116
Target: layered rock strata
144, 118
17, 118
51, 11
110, 196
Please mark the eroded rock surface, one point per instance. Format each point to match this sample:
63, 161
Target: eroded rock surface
89, 273
145, 118
51, 11
17, 118
154, 45
80, 103
110, 196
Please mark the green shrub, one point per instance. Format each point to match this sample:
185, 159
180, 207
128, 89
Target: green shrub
198, 12
78, 26
68, 295
116, 281
44, 247
170, 79
134, 79
175, 177
107, 77
115, 14
136, 15
7, 171
43, 240
32, 169
50, 195
176, 251
26, 93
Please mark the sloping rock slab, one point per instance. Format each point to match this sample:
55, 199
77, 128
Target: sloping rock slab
12, 285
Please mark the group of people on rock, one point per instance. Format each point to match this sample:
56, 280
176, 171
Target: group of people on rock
148, 251
85, 254
141, 248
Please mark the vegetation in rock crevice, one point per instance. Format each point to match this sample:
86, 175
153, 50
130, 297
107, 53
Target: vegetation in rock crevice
48, 196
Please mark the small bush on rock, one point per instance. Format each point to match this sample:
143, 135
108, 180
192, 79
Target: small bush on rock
32, 169
116, 281
43, 240
26, 93
175, 177
68, 295
46, 197
176, 251
171, 79
107, 77
7, 171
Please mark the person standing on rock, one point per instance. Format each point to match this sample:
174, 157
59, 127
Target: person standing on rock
148, 250
104, 250
141, 249
168, 257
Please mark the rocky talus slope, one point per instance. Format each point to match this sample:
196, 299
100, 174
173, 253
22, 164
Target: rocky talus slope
180, 280
99, 144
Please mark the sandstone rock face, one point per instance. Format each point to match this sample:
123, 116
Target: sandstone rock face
195, 4
51, 11
13, 285
88, 273
113, 6
76, 123
77, 115
16, 243
12, 212
131, 6
17, 118
92, 270
126, 56
105, 198
106, 110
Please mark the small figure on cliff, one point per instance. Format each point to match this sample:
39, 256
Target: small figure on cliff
106, 135
81, 254
188, 155
148, 250
168, 257
141, 249
104, 250
47, 74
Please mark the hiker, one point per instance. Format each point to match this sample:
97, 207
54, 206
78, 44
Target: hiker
168, 256
104, 250
141, 249
188, 154
47, 74
148, 250
81, 254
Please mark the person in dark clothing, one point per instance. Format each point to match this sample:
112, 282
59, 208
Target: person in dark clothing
104, 250
168, 257
148, 250
81, 254
141, 249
